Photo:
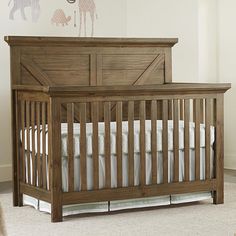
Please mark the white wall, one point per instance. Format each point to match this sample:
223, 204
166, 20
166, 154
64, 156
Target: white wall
227, 66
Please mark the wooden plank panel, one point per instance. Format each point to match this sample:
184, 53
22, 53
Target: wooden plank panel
95, 114
39, 166
107, 143
28, 141
23, 140
128, 62
154, 140
83, 151
70, 146
165, 139
142, 143
207, 137
44, 171
131, 142
197, 138
119, 143
176, 139
34, 173
186, 138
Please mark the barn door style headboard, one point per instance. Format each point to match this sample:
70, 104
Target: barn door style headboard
50, 61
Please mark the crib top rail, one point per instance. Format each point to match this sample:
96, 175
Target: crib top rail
169, 88
84, 41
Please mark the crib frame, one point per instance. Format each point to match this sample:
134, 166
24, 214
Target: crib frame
38, 105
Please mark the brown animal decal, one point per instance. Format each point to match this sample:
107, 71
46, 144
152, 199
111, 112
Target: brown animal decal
84, 7
21, 4
59, 17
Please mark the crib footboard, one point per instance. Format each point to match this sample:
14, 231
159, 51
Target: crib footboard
46, 115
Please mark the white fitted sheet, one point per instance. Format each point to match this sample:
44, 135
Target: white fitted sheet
89, 132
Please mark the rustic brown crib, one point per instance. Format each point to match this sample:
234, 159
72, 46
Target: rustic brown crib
109, 108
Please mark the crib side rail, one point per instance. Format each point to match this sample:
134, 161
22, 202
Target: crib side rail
33, 159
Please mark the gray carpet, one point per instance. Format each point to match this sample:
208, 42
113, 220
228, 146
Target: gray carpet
189, 219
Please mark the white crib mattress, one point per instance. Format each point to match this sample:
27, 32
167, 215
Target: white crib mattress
101, 139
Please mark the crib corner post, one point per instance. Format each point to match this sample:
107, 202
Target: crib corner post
55, 159
218, 197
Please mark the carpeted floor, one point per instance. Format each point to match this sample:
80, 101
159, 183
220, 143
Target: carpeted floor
190, 219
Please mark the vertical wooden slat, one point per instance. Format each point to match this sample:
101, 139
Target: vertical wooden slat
28, 140
197, 138
33, 143
219, 150
202, 111
154, 140
44, 172
39, 167
83, 151
119, 142
56, 174
49, 161
176, 140
207, 137
170, 110
107, 143
70, 146
186, 138
95, 113
23, 139
165, 140
131, 142
142, 143
181, 101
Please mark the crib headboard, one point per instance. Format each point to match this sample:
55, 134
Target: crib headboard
90, 61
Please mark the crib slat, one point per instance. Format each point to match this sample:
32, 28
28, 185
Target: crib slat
23, 139
83, 151
186, 138
44, 145
28, 140
33, 143
201, 111
170, 112
107, 143
131, 142
176, 140
197, 139
39, 170
95, 113
207, 137
154, 140
119, 143
142, 142
181, 101
165, 140
70, 146
49, 145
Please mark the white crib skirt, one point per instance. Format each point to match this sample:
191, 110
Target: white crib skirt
132, 203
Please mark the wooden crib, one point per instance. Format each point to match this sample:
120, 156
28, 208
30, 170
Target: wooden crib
81, 81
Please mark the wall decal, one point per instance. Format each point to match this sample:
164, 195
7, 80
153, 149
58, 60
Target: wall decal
84, 7
21, 4
59, 17
75, 14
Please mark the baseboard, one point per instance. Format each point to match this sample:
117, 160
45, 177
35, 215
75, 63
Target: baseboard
5, 173
230, 161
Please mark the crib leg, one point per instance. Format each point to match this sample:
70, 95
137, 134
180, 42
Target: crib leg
56, 212
218, 197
